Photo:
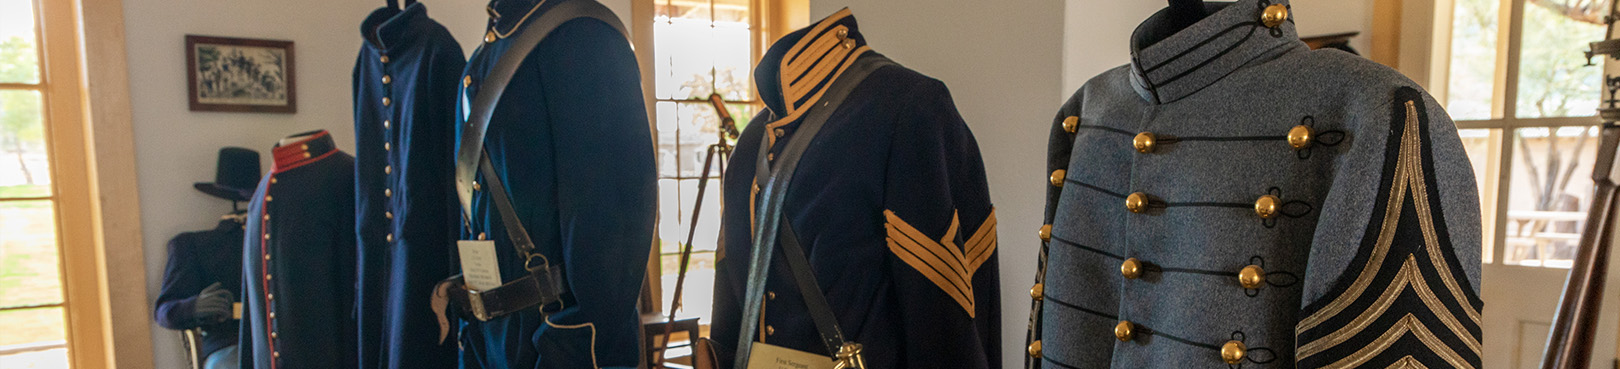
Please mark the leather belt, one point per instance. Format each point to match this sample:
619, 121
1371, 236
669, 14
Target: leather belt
544, 283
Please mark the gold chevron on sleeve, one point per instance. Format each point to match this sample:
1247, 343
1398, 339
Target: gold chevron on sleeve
941, 262
1409, 184
981, 245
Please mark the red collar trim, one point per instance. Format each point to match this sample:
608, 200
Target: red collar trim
311, 149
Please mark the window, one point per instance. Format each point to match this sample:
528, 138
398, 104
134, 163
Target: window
1524, 99
32, 298
700, 47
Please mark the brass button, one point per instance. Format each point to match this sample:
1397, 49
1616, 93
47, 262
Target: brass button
843, 33
769, 330
269, 277
390, 237
266, 257
273, 180
273, 335
387, 79
1057, 177
272, 315
489, 37
482, 236
387, 146
1045, 233
1035, 349
1123, 331
1266, 206
1136, 202
266, 217
1144, 142
770, 156
1300, 137
1071, 124
1131, 268
466, 81
275, 354
384, 58
779, 132
1274, 15
388, 214
267, 198
388, 192
387, 123
388, 169
306, 155
1037, 292
270, 296
1233, 352
849, 43
476, 187
266, 237
771, 295
1252, 277
387, 101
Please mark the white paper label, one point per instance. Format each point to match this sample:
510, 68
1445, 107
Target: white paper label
764, 356
478, 267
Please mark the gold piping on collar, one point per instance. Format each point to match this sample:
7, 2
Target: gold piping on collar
497, 30
810, 62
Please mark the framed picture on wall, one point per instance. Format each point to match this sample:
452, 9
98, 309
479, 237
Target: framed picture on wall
240, 75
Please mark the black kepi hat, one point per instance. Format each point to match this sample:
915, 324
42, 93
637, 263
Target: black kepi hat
236, 176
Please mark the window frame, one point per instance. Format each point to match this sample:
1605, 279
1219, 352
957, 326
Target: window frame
81, 221
1430, 62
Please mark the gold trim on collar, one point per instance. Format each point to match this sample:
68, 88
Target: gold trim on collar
497, 30
818, 57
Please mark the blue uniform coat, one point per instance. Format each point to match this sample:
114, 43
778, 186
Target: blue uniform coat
405, 213
889, 201
196, 260
298, 260
569, 139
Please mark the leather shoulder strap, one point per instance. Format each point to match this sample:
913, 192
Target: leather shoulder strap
494, 85
774, 176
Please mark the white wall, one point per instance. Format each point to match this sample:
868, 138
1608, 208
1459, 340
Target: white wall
1003, 63
175, 147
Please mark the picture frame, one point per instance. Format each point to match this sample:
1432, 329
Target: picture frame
227, 74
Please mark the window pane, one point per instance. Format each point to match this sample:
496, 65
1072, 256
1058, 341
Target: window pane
732, 60
19, 59
33, 338
24, 169
29, 273
1554, 80
1473, 59
675, 202
698, 293
1477, 143
698, 128
683, 58
1550, 191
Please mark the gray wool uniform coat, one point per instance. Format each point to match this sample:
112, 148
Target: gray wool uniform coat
1233, 199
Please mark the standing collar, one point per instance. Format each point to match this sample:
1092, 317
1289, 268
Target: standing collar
1231, 38
389, 28
507, 15
794, 73
315, 146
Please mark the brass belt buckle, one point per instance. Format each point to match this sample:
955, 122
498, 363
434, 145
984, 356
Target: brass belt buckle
475, 302
849, 357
